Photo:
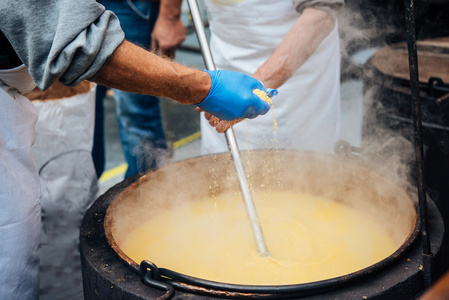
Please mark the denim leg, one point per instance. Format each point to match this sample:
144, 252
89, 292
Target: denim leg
137, 19
141, 131
98, 144
139, 117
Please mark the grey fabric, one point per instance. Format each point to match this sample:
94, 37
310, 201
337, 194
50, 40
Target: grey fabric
331, 6
63, 40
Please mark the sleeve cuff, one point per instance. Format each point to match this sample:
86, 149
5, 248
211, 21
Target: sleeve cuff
330, 6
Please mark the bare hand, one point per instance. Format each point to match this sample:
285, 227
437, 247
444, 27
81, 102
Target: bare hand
220, 125
167, 35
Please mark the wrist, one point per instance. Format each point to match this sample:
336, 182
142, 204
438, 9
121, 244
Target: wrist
201, 87
171, 10
170, 16
271, 77
262, 77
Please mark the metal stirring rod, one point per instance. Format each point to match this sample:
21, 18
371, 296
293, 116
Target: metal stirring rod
230, 137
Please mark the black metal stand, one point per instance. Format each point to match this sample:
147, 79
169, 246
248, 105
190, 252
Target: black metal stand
417, 124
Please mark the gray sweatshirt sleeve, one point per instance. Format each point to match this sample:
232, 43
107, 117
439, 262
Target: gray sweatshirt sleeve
331, 6
63, 40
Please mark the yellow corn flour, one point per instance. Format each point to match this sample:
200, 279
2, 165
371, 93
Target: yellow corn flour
262, 95
309, 238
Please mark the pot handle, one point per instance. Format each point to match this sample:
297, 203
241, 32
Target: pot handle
151, 277
342, 147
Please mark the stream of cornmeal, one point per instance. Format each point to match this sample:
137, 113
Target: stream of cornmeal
309, 238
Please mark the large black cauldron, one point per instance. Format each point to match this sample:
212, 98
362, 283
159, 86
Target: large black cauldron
106, 275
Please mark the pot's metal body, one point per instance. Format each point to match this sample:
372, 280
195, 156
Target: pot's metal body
324, 175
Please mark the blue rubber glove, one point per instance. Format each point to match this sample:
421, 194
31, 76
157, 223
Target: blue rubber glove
231, 96
272, 92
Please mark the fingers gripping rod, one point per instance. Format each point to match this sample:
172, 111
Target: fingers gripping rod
230, 137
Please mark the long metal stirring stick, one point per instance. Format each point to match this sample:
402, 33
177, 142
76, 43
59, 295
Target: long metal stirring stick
230, 137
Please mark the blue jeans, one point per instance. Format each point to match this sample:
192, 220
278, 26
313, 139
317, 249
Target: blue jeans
139, 118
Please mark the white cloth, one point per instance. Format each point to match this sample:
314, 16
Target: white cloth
20, 213
307, 110
64, 137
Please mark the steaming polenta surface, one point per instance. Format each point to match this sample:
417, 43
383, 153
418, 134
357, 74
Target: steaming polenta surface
310, 239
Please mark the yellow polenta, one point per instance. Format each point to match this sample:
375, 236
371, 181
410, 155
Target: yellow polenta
262, 95
310, 239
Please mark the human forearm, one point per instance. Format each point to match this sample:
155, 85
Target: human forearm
134, 69
225, 94
169, 31
297, 46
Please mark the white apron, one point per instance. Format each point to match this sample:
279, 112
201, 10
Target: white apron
307, 109
20, 213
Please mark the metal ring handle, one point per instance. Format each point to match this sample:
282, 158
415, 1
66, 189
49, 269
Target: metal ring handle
151, 277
